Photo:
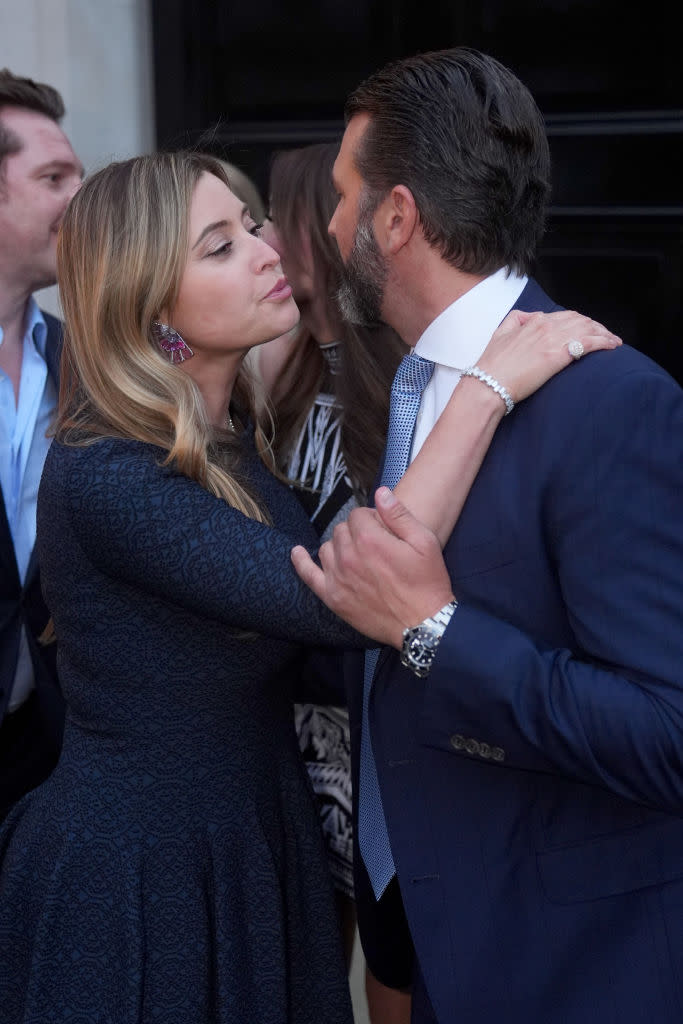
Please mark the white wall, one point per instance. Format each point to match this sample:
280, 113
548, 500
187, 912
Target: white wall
98, 54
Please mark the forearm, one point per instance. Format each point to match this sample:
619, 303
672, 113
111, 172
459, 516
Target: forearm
206, 557
525, 351
436, 484
383, 569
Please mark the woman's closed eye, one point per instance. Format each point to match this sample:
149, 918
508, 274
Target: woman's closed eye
226, 247
221, 250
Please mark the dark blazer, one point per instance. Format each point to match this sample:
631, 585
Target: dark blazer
24, 605
533, 783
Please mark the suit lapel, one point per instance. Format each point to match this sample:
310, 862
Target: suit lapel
53, 353
8, 562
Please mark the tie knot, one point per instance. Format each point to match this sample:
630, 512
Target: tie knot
413, 375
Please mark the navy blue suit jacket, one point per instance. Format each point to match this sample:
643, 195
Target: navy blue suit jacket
533, 783
24, 605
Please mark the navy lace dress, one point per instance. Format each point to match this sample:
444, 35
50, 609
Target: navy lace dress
172, 868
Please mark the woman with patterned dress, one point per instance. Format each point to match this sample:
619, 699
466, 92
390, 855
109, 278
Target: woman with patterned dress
171, 869
317, 469
329, 384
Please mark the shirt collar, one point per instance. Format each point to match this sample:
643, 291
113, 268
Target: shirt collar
36, 328
459, 335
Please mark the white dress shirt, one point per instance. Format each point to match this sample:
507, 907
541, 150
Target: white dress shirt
457, 339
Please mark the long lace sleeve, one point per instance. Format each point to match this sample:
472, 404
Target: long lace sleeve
162, 533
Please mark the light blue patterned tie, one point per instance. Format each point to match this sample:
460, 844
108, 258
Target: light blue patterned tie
410, 381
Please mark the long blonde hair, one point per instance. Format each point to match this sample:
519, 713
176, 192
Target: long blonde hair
121, 254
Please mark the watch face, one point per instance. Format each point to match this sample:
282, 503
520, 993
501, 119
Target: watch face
420, 642
420, 647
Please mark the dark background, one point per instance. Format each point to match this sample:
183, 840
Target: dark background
264, 76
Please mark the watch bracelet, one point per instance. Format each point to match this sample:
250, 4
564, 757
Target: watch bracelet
438, 621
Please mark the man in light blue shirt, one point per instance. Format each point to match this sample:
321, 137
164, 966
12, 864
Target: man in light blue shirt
39, 172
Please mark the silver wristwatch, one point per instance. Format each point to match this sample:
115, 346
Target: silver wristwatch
420, 642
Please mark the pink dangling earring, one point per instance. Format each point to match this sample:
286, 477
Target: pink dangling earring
170, 342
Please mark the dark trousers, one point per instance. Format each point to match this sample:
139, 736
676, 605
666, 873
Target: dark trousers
27, 755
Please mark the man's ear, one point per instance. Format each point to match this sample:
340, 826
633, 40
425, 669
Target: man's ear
396, 219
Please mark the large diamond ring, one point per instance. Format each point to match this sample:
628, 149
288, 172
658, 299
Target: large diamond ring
576, 349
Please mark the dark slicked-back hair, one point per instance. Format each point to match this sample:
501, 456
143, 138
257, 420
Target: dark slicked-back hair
465, 135
25, 94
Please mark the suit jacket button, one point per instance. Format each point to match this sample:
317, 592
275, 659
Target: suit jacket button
471, 746
498, 754
484, 750
458, 742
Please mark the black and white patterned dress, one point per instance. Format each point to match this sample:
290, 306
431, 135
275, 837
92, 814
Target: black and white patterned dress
318, 471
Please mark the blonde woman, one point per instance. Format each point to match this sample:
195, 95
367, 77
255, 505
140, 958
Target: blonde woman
172, 867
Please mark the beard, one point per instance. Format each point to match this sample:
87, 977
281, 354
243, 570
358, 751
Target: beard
364, 275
